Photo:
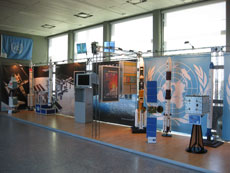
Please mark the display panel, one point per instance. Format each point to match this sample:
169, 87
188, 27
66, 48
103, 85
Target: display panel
83, 80
81, 48
109, 46
128, 71
75, 76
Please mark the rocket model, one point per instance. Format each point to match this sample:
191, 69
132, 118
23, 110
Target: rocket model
50, 84
210, 115
30, 96
140, 113
167, 114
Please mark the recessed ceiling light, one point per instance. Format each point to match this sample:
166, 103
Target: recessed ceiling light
83, 15
47, 26
135, 2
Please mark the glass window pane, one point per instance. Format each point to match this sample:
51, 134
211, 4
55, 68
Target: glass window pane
203, 26
218, 84
58, 48
87, 36
133, 34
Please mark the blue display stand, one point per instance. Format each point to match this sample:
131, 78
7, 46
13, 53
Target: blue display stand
44, 109
151, 129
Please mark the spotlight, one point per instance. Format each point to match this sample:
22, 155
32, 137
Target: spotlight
187, 42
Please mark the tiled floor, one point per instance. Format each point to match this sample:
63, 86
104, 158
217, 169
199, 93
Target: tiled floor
26, 148
170, 148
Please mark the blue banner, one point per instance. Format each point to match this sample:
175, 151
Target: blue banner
226, 110
17, 47
189, 77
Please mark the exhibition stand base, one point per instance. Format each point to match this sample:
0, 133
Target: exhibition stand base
196, 144
198, 150
166, 135
45, 109
138, 130
212, 143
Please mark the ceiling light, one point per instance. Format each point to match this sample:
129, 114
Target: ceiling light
83, 15
47, 26
135, 2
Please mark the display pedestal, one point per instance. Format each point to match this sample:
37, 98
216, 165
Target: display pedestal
83, 105
196, 144
212, 143
166, 135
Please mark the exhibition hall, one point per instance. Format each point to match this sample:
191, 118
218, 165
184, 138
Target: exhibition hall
115, 86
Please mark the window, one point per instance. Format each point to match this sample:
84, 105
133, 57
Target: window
200, 26
58, 48
89, 35
133, 34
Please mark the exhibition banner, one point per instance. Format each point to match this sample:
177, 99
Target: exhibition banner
120, 112
65, 86
226, 109
189, 77
41, 77
21, 74
16, 47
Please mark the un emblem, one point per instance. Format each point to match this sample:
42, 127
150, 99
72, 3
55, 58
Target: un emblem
17, 48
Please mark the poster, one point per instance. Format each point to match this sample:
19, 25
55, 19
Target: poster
129, 77
190, 75
109, 83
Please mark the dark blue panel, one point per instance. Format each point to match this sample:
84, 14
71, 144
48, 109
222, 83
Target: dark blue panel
151, 127
151, 121
51, 111
151, 84
43, 111
151, 134
38, 108
151, 99
151, 91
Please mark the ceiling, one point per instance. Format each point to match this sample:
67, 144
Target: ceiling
27, 16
